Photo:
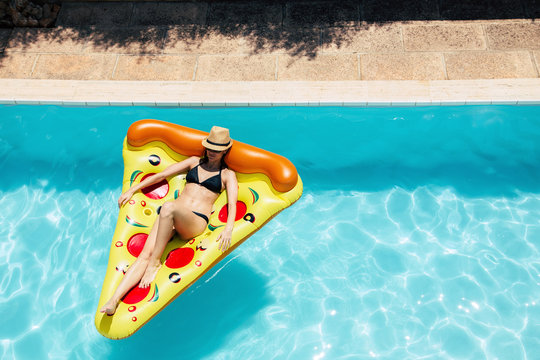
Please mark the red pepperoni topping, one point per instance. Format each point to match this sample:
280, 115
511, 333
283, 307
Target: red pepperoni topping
136, 244
179, 257
241, 209
135, 295
156, 191
132, 308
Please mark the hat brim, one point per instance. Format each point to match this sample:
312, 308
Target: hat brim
215, 147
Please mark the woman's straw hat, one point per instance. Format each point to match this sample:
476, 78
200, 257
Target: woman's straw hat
218, 139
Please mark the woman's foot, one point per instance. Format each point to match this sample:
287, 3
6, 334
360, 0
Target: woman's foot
149, 274
109, 308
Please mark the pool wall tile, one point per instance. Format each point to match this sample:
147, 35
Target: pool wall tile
190, 104
453, 102
403, 103
237, 104
331, 103
121, 103
57, 102
379, 104
144, 103
213, 104
504, 102
168, 103
355, 103
278, 104
73, 103
478, 102
27, 102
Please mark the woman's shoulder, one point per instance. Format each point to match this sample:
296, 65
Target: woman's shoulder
193, 160
227, 172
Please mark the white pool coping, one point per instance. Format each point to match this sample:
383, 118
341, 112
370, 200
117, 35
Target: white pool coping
270, 93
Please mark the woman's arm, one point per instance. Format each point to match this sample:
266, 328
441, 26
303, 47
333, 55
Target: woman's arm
173, 169
231, 185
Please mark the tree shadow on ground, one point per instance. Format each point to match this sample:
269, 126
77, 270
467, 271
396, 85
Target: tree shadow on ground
297, 28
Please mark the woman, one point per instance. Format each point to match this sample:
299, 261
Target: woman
187, 215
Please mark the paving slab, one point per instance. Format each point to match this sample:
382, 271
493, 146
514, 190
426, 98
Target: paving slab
104, 13
169, 13
370, 38
443, 37
229, 15
236, 68
332, 67
480, 9
489, 65
402, 66
204, 40
286, 40
381, 11
4, 37
298, 42
132, 40
54, 40
321, 13
167, 68
16, 65
532, 9
74, 66
513, 36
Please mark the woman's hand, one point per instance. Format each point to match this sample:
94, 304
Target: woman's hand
124, 198
224, 240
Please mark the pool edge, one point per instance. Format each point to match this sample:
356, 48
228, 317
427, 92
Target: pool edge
267, 93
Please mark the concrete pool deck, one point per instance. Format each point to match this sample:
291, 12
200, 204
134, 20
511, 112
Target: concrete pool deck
271, 53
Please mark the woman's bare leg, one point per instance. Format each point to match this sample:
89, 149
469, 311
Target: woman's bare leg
135, 271
169, 218
166, 222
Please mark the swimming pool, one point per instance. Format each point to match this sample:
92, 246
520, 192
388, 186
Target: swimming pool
417, 236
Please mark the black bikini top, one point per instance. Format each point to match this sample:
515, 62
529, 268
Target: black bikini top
213, 183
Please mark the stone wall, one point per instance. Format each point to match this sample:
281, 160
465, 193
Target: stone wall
28, 13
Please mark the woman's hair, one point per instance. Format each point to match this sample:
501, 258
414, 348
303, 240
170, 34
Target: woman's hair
204, 159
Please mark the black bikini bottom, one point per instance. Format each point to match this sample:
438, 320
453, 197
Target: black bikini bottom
204, 217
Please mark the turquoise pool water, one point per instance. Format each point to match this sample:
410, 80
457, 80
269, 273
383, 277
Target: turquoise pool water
417, 237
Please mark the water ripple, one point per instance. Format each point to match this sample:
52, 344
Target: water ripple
390, 274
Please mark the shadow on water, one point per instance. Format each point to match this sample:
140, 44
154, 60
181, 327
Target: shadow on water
294, 27
200, 321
